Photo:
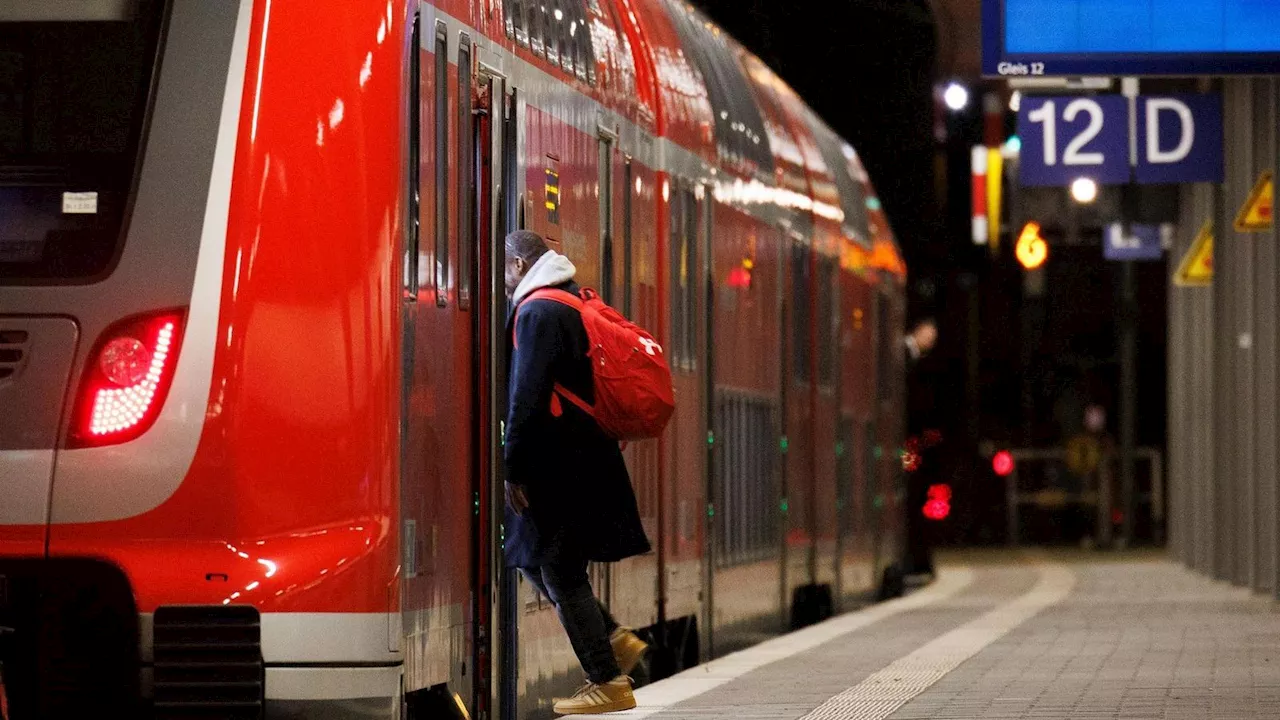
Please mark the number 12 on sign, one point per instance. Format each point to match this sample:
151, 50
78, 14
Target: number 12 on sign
1067, 138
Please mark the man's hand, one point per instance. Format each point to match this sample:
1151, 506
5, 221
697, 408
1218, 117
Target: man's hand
517, 499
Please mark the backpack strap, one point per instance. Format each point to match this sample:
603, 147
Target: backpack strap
564, 298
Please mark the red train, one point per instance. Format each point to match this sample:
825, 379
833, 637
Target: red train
251, 346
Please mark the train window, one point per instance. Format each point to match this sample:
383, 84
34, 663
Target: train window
626, 237
884, 348
466, 147
826, 298
442, 165
839, 158
692, 275
605, 165
517, 25
740, 133
580, 38
801, 317
684, 274
537, 21
679, 277
415, 152
75, 85
568, 27
552, 21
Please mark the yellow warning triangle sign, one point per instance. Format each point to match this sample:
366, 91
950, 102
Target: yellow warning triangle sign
1255, 215
1196, 268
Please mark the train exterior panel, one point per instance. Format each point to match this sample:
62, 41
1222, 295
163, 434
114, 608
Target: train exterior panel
255, 425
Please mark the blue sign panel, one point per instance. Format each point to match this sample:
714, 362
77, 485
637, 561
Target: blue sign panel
1180, 139
1130, 37
1065, 138
1142, 242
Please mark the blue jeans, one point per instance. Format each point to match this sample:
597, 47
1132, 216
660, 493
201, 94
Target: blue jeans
586, 621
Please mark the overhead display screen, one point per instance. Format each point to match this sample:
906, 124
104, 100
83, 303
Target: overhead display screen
1130, 37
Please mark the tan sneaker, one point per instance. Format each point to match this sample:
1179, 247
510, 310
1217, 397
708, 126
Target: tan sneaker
594, 699
628, 648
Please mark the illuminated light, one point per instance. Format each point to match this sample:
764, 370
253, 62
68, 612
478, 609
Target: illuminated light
911, 461
243, 555
956, 96
130, 376
666, 191
226, 601
382, 31
252, 586
235, 595
1013, 146
366, 71
639, 186
739, 278
938, 503
1002, 463
125, 361
1084, 190
1031, 250
559, 14
1015, 101
270, 566
573, 28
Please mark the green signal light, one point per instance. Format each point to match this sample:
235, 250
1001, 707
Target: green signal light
784, 506
783, 444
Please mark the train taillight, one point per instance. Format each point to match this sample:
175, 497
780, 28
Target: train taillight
127, 378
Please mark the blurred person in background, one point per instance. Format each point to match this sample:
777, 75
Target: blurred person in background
917, 344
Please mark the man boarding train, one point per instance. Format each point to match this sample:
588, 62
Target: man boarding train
569, 496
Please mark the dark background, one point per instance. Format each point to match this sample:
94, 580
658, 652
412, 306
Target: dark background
1009, 369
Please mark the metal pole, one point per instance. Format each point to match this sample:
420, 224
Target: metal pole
1128, 400
1128, 339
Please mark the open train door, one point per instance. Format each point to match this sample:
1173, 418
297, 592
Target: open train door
496, 215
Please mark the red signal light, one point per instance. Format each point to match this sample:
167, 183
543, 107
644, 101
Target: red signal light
938, 505
126, 380
1002, 463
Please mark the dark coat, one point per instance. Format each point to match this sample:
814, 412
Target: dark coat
581, 504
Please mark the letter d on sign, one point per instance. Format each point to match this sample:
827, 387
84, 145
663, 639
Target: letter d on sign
1187, 124
1179, 139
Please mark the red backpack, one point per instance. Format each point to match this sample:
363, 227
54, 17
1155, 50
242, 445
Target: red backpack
632, 383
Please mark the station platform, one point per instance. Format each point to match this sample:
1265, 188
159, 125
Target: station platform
1042, 635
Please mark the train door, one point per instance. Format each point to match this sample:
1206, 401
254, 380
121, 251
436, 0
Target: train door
504, 215
606, 142
706, 280
491, 159
439, 344
495, 196
460, 172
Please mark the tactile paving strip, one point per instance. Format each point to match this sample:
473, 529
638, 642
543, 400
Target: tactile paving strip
877, 697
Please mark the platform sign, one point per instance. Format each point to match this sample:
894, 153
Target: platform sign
1110, 38
1255, 214
1065, 138
1196, 268
1142, 242
1178, 140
